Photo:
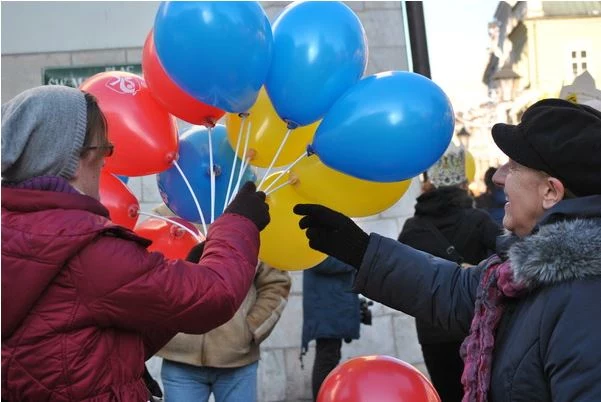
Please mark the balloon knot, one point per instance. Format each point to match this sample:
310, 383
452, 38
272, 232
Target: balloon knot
171, 157
310, 150
291, 125
176, 231
133, 211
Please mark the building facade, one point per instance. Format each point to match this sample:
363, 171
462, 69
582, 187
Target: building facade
56, 42
536, 49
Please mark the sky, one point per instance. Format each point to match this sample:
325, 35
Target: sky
457, 33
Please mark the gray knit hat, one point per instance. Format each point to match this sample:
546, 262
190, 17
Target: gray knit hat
43, 131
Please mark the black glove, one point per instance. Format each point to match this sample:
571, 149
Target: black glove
365, 311
196, 252
333, 233
250, 203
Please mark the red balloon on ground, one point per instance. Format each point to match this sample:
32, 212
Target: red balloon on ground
174, 99
143, 132
376, 378
119, 200
168, 238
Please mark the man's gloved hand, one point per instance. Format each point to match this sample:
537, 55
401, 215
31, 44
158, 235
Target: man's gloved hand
333, 233
250, 203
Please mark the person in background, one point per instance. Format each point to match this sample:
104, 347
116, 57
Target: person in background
331, 313
447, 225
493, 200
84, 304
224, 361
531, 311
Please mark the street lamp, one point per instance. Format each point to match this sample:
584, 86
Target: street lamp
464, 137
508, 81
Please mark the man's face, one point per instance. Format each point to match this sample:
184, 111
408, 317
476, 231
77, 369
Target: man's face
524, 189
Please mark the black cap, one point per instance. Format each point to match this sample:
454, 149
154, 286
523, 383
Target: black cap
561, 138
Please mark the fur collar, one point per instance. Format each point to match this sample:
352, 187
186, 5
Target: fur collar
558, 252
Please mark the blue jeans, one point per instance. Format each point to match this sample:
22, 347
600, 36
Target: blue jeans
187, 383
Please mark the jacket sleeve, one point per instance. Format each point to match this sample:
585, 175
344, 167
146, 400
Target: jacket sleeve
273, 287
332, 266
570, 340
125, 286
432, 289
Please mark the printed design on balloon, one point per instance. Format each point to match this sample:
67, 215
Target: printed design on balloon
124, 85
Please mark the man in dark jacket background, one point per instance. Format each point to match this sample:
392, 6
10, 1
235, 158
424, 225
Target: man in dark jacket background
331, 314
448, 226
493, 199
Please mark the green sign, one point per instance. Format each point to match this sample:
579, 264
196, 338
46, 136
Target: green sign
74, 76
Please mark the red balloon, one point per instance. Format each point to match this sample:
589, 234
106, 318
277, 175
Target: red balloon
376, 378
168, 238
119, 200
143, 132
170, 95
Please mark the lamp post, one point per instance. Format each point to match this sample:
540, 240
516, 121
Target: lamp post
464, 138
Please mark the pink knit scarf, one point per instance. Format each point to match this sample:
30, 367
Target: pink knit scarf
496, 286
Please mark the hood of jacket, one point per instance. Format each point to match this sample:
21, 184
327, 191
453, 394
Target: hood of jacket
41, 231
566, 245
442, 201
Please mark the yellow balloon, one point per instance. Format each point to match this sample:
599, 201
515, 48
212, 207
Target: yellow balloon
470, 166
283, 244
266, 134
349, 195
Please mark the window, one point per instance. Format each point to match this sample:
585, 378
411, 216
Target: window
578, 61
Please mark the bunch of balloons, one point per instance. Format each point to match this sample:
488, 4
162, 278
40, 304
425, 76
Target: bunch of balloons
294, 98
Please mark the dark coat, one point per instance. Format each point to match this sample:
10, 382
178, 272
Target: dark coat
493, 202
548, 344
471, 231
330, 308
84, 303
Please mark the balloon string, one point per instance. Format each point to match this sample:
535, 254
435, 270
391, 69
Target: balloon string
275, 157
212, 170
202, 217
283, 172
278, 187
231, 181
245, 164
242, 169
195, 235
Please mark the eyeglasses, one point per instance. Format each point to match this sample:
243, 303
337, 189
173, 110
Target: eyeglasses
108, 149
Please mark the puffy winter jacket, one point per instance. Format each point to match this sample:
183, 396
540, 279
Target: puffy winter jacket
548, 344
84, 303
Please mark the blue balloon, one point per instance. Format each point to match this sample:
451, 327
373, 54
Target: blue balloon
389, 127
194, 162
319, 52
124, 179
218, 52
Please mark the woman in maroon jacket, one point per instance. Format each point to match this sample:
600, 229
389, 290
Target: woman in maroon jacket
83, 302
